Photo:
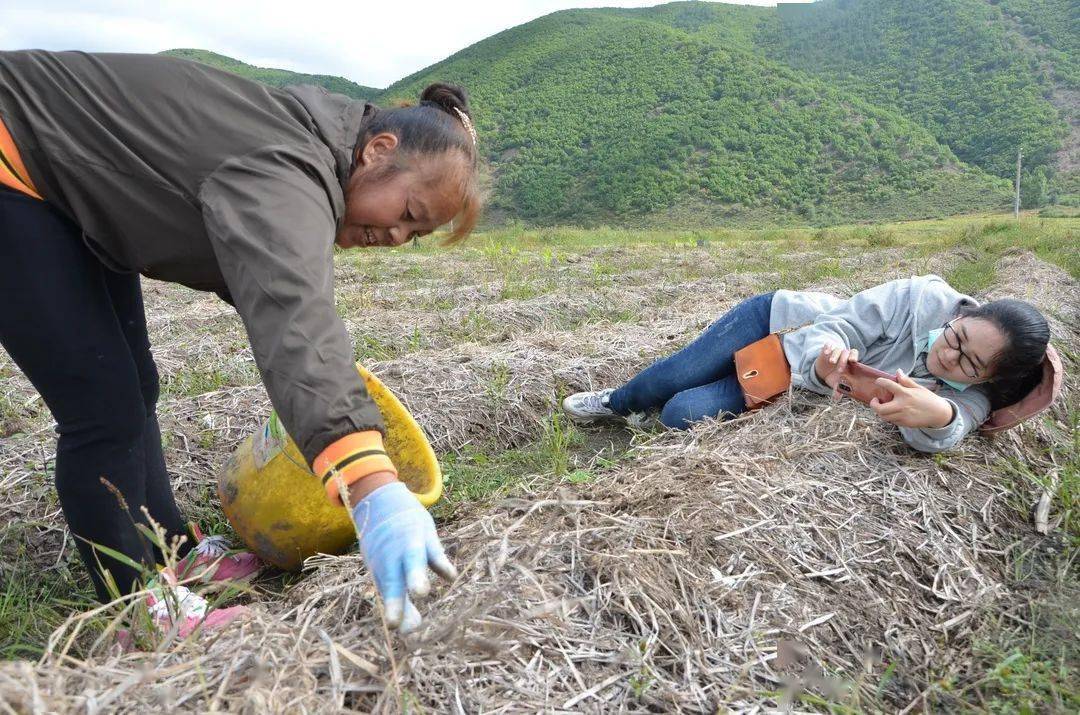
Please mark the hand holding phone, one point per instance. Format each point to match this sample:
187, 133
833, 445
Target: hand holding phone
831, 360
860, 382
912, 405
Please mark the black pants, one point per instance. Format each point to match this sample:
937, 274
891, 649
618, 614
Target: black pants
78, 332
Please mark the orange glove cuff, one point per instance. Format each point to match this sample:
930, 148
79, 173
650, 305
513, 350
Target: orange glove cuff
351, 458
13, 172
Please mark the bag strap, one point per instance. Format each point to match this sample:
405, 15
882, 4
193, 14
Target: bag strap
785, 331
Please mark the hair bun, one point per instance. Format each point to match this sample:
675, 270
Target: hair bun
447, 97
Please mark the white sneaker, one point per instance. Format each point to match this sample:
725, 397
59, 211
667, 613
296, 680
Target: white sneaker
590, 406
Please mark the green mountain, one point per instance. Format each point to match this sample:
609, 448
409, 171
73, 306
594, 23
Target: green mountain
275, 77
1052, 30
964, 69
615, 115
701, 112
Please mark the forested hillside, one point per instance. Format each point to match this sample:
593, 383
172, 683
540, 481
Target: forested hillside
1053, 26
1051, 29
610, 115
981, 76
836, 110
275, 77
985, 77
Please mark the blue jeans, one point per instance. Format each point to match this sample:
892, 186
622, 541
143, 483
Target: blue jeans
698, 381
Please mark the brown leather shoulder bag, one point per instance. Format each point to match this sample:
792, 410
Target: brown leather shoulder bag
763, 371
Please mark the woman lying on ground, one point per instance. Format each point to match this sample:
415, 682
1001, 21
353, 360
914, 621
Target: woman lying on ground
955, 362
116, 165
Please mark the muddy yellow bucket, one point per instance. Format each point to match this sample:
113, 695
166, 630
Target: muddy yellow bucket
280, 509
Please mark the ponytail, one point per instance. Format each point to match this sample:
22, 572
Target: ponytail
440, 122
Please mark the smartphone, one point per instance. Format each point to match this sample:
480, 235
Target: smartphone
858, 381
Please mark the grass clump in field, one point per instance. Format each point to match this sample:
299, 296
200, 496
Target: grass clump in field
34, 601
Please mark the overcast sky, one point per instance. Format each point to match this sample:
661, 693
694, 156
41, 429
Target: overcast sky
373, 43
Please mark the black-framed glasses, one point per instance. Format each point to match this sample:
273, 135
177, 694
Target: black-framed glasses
952, 339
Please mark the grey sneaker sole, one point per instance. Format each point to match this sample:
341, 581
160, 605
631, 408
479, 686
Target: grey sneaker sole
584, 417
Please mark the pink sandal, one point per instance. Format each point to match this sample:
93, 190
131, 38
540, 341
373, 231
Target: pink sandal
171, 605
212, 562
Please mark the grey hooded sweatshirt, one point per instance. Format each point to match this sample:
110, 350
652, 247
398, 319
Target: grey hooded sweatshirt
888, 324
188, 174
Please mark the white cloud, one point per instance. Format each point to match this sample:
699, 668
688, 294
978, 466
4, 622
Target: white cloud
373, 43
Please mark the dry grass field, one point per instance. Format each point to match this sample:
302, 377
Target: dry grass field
800, 556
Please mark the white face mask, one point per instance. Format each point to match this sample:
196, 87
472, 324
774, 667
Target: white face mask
932, 338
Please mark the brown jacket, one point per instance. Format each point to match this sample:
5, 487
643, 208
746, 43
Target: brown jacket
188, 174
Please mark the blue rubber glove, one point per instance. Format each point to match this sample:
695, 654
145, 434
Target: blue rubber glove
399, 543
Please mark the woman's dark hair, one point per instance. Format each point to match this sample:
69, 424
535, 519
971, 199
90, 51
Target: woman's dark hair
1018, 367
441, 122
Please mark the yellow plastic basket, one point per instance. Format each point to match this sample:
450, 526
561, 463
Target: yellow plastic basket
280, 509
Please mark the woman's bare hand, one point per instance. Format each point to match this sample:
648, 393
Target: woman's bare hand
912, 404
832, 362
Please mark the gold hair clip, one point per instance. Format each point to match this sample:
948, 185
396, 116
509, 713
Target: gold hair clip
467, 123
